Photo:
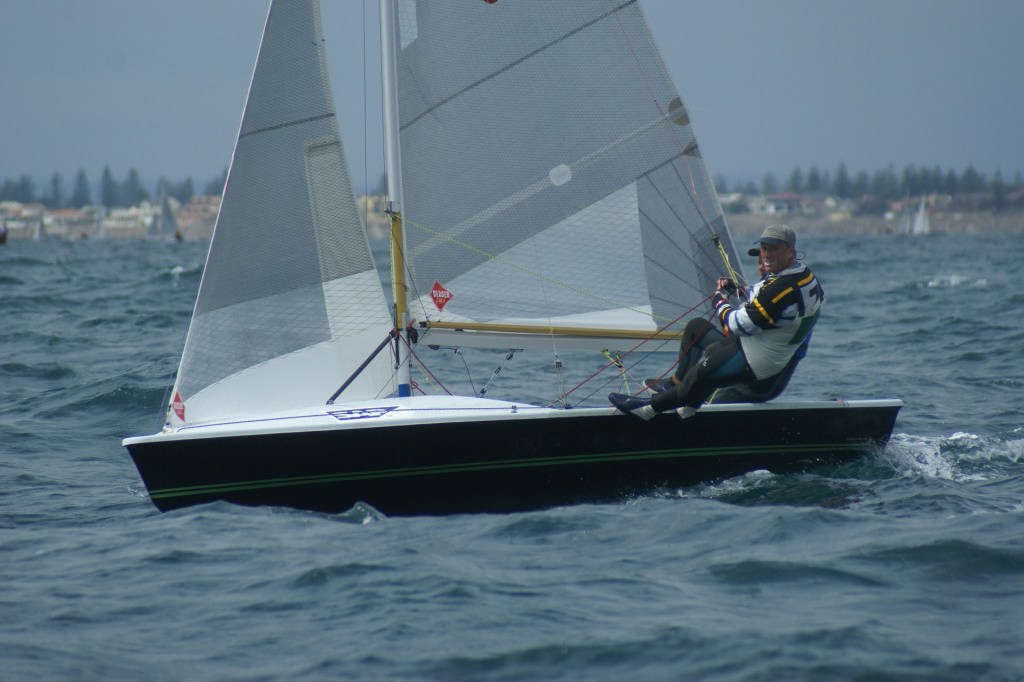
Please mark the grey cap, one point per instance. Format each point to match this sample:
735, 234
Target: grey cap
778, 234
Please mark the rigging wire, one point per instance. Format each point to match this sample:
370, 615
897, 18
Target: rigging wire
413, 355
636, 346
604, 385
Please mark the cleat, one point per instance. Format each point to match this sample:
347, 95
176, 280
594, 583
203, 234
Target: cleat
685, 412
630, 405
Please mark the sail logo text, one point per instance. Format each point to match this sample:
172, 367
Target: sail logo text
440, 295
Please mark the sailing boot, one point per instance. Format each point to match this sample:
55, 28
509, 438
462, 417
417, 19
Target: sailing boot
630, 405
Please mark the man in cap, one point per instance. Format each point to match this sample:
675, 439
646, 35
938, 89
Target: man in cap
758, 391
758, 340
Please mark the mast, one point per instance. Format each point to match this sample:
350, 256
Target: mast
393, 159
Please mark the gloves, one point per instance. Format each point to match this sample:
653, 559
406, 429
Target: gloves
726, 286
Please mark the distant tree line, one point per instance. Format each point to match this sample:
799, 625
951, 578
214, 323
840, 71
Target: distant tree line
111, 193
872, 191
875, 190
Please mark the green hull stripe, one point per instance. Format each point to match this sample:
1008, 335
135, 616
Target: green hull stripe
187, 491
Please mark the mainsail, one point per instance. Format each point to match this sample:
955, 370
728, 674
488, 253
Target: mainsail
290, 301
551, 175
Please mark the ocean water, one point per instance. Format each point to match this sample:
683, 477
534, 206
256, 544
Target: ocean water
907, 564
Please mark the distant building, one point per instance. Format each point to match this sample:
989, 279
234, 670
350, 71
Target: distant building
373, 208
789, 203
197, 218
75, 223
23, 221
133, 221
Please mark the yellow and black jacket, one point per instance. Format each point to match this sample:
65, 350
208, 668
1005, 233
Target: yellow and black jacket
780, 312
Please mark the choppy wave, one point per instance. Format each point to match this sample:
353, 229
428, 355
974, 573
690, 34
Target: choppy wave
950, 281
904, 564
958, 457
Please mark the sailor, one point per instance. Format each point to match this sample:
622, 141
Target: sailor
757, 391
755, 348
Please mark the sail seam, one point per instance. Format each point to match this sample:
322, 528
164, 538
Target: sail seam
286, 125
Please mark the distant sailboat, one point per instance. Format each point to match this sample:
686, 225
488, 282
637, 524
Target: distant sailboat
547, 192
914, 221
921, 223
165, 225
906, 219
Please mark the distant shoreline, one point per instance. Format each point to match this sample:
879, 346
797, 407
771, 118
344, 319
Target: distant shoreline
958, 223
200, 224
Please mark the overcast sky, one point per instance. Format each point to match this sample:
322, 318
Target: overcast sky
770, 85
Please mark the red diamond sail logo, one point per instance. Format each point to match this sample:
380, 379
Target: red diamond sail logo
440, 295
178, 406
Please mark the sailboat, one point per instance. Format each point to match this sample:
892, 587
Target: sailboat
914, 221
547, 199
921, 224
165, 225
